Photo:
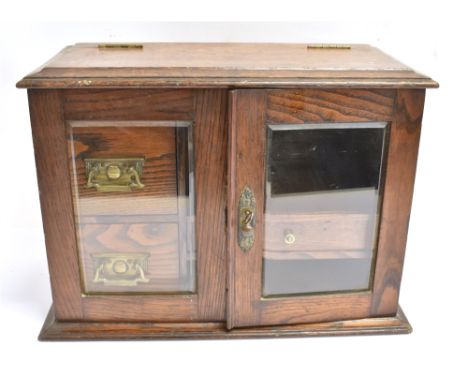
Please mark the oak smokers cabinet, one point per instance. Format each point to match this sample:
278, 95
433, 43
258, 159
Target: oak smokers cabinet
224, 190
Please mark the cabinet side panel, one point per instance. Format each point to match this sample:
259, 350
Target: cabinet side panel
398, 193
50, 147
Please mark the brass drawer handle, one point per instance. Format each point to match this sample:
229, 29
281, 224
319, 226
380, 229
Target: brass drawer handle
120, 269
114, 174
246, 219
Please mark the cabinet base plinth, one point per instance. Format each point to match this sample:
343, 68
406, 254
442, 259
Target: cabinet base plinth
54, 330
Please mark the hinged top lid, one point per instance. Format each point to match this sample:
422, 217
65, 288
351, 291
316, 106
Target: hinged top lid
223, 65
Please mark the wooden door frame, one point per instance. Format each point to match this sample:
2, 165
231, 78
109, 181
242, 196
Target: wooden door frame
250, 112
50, 110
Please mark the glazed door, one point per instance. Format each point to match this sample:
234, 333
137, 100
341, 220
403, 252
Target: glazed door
139, 188
315, 237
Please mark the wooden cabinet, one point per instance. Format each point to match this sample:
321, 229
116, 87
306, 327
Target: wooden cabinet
225, 190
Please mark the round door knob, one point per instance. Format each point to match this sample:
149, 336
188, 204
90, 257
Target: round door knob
289, 237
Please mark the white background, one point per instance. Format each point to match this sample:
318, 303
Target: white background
429, 36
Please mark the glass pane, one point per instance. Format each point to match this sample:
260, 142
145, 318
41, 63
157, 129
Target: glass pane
322, 205
133, 190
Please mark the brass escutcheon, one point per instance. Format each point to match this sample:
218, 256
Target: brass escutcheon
114, 174
246, 219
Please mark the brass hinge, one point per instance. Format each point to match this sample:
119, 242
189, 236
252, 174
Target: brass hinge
328, 46
120, 46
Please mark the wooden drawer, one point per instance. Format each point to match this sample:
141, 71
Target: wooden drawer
319, 235
156, 143
133, 258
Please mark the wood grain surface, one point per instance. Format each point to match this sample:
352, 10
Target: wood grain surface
251, 111
159, 241
398, 194
113, 119
155, 143
320, 231
134, 122
223, 65
208, 110
122, 105
210, 145
50, 147
337, 105
246, 167
54, 330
